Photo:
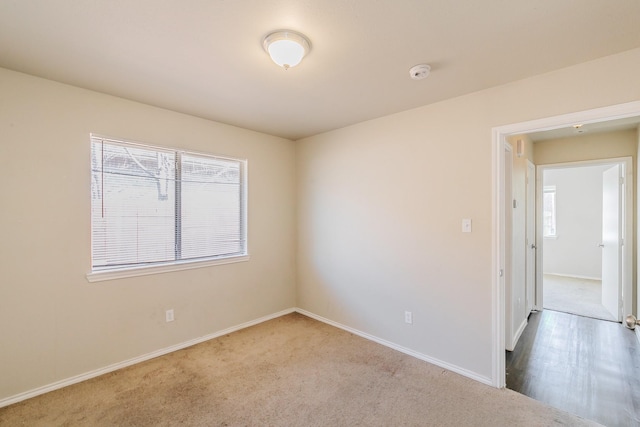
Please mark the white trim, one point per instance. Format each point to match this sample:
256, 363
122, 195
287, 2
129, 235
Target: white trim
530, 237
428, 359
638, 334
114, 367
572, 276
99, 276
498, 358
518, 334
539, 240
506, 244
499, 134
597, 115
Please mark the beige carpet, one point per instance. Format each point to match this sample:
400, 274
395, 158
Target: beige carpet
576, 296
291, 371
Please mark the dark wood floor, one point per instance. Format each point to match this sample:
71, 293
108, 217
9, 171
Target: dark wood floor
585, 366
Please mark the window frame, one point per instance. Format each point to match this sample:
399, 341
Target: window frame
116, 272
550, 189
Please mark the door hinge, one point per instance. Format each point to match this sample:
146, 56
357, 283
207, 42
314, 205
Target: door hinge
621, 180
501, 273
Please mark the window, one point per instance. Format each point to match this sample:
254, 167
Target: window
152, 207
549, 211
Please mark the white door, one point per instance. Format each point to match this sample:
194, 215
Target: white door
508, 245
530, 283
611, 243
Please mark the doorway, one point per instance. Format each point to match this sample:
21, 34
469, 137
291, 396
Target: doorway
500, 135
582, 221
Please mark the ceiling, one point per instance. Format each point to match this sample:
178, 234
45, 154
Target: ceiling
205, 57
583, 129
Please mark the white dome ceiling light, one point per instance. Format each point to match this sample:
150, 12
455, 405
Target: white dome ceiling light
420, 71
286, 48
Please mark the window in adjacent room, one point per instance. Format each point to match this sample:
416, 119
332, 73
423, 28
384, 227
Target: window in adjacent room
549, 211
154, 206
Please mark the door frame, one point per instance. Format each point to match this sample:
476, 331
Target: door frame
499, 136
531, 227
507, 276
625, 291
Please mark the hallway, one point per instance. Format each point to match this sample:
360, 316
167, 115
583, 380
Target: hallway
585, 366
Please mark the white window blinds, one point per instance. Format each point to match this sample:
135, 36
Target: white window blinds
549, 211
152, 206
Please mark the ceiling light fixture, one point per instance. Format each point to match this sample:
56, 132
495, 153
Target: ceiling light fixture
286, 48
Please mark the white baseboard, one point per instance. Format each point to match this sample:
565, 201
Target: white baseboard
432, 360
114, 367
573, 276
518, 334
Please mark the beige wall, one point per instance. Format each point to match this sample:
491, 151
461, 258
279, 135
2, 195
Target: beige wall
379, 210
595, 146
381, 204
53, 323
574, 251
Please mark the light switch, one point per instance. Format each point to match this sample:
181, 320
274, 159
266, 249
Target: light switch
466, 225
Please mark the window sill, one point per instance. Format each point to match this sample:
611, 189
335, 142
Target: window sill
99, 276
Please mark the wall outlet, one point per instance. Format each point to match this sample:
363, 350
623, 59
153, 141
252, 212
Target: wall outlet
408, 317
168, 315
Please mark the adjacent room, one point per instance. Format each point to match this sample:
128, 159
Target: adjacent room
197, 230
574, 271
572, 265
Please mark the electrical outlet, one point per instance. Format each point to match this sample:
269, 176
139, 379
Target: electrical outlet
168, 315
408, 317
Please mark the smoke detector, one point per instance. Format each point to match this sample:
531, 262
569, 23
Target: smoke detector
420, 71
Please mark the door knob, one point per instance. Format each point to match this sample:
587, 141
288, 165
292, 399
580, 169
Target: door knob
533, 246
630, 321
601, 245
